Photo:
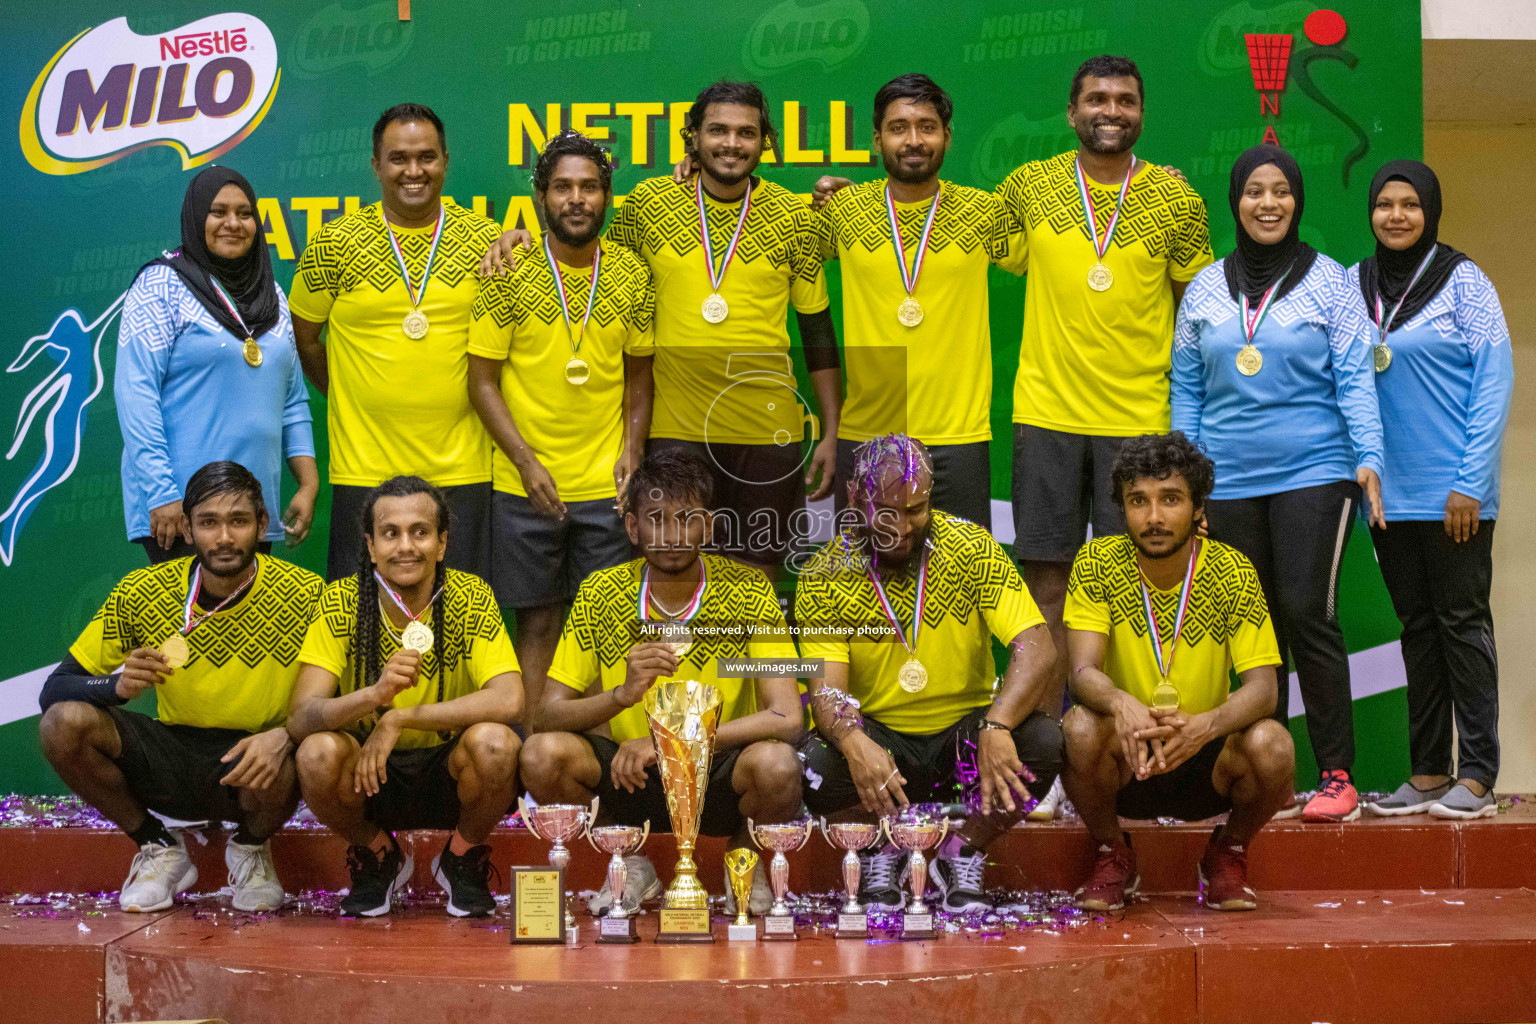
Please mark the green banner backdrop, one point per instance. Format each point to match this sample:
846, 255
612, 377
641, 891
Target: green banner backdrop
116, 109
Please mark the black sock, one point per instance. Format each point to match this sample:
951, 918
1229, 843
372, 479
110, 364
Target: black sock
153, 830
244, 837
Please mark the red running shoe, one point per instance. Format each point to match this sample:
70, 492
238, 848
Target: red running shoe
1114, 878
1224, 876
1336, 799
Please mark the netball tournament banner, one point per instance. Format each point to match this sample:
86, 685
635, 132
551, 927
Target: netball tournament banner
114, 107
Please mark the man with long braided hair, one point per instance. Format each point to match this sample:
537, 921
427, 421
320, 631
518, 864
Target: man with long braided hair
419, 735
903, 605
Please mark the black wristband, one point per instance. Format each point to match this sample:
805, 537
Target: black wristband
987, 723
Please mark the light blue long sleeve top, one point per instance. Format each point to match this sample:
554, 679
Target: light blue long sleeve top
1309, 416
1445, 399
186, 397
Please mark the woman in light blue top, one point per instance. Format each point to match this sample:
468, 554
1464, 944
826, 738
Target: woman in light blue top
207, 370
1272, 372
1444, 378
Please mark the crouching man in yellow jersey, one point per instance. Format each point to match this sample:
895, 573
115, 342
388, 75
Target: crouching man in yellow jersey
419, 735
1156, 618
216, 638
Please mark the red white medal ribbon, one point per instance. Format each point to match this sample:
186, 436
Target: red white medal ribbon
195, 589
1092, 215
426, 272
1384, 323
1252, 318
909, 281
917, 605
400, 601
1155, 634
709, 253
565, 308
694, 603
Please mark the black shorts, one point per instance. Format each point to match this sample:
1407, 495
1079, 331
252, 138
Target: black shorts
759, 497
1060, 486
618, 806
539, 561
418, 791
962, 479
928, 762
469, 540
175, 770
1186, 793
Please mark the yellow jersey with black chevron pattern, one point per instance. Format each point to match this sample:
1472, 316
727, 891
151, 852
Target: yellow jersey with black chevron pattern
932, 381
244, 660
733, 381
974, 593
576, 431
1225, 627
740, 618
476, 648
396, 405
1097, 362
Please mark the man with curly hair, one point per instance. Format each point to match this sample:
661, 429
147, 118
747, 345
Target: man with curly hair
1156, 620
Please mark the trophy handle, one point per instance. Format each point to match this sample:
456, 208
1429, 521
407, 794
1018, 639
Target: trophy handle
752, 831
810, 826
943, 831
824, 834
885, 830
522, 808
644, 835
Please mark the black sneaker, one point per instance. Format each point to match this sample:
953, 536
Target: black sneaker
877, 879
466, 880
959, 880
375, 879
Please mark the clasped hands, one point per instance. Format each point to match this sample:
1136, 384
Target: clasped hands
1157, 742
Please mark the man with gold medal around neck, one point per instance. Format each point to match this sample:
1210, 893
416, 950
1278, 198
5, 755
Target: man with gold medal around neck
560, 372
404, 706
391, 286
216, 639
904, 607
1156, 619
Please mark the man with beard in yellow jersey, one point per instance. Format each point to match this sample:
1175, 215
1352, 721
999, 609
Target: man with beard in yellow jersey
904, 605
729, 253
917, 334
560, 372
592, 734
1098, 324
394, 283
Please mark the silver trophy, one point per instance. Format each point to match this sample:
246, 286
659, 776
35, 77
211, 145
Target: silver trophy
557, 824
851, 836
619, 841
914, 834
779, 923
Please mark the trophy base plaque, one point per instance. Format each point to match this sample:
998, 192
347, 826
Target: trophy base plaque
917, 926
616, 929
538, 905
852, 926
779, 927
684, 925
741, 933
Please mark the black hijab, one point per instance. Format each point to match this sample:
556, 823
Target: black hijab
247, 279
1388, 273
1253, 266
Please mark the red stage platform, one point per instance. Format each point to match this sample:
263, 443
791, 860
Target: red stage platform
1398, 921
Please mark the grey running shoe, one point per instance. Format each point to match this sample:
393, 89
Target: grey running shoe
640, 884
1460, 803
1408, 800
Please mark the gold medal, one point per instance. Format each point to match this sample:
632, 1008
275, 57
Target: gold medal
1383, 357
910, 312
1165, 697
715, 309
251, 351
1100, 277
417, 636
1249, 360
176, 651
675, 635
912, 676
415, 325
577, 371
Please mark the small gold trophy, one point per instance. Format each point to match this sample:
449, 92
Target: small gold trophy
683, 716
739, 865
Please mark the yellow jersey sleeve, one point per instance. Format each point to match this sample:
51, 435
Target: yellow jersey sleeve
808, 292
107, 639
626, 228
328, 640
1005, 601
576, 663
826, 231
1007, 245
1087, 605
819, 618
490, 318
490, 649
317, 281
1251, 633
1191, 249
641, 339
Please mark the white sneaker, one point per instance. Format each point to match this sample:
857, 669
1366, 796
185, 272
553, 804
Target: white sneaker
157, 875
1050, 807
253, 876
640, 884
